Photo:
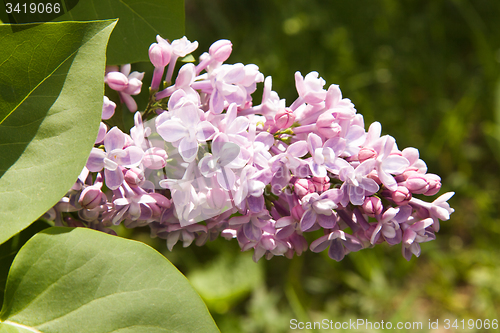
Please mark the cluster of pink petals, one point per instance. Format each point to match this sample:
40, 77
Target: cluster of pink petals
214, 164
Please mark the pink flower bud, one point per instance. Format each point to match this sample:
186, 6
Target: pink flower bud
134, 177
134, 87
366, 153
108, 108
221, 50
327, 126
401, 196
284, 118
297, 212
321, 184
90, 197
160, 54
434, 184
417, 183
304, 186
117, 81
161, 200
154, 158
372, 206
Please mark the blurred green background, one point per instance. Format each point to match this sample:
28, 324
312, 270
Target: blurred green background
429, 71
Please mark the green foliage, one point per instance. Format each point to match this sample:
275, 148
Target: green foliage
429, 72
139, 23
51, 104
81, 280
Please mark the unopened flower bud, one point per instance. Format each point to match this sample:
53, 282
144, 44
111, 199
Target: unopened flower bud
417, 183
434, 184
90, 197
161, 200
321, 184
401, 196
221, 50
284, 118
327, 126
154, 158
134, 177
297, 212
160, 54
304, 186
372, 206
366, 153
117, 81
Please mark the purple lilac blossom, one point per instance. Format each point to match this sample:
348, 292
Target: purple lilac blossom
213, 163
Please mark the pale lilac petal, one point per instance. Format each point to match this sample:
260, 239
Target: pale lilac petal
228, 153
95, 161
369, 185
109, 164
313, 142
297, 149
336, 250
388, 180
236, 74
172, 130
239, 125
188, 149
108, 108
320, 244
252, 232
366, 167
307, 220
411, 154
205, 131
395, 164
356, 195
132, 157
189, 114
327, 222
317, 170
218, 142
337, 144
216, 102
205, 166
102, 133
115, 139
352, 243
226, 178
255, 204
266, 138
113, 178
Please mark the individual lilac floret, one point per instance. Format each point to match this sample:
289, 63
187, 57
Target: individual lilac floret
356, 184
108, 108
320, 208
338, 243
159, 55
180, 48
126, 84
310, 88
114, 157
186, 130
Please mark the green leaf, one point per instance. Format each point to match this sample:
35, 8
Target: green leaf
9, 249
81, 280
139, 23
51, 90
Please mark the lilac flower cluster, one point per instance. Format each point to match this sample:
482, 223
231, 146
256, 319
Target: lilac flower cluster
209, 163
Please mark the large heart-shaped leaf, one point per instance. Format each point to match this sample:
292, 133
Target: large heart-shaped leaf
139, 23
51, 90
81, 280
